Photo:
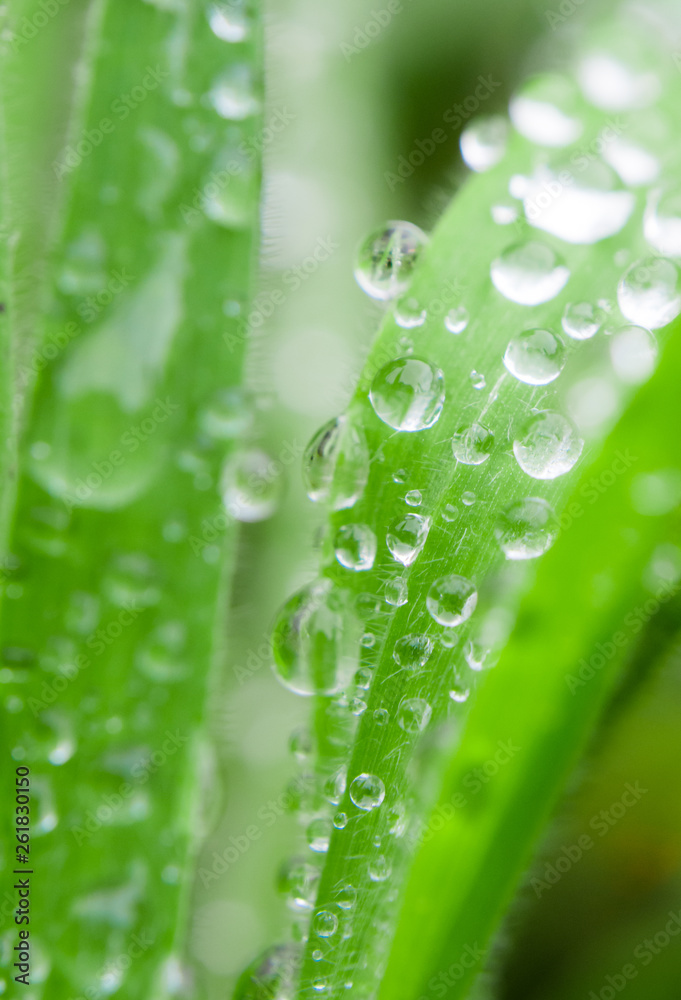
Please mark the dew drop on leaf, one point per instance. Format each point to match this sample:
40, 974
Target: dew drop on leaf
355, 547
526, 529
457, 319
409, 313
396, 592
386, 259
412, 651
472, 445
367, 791
581, 320
633, 351
251, 485
545, 110
649, 293
451, 600
529, 273
325, 924
413, 715
408, 394
536, 357
548, 446
405, 538
483, 142
336, 464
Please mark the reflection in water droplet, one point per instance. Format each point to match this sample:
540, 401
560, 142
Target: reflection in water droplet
396, 592
536, 357
451, 600
251, 485
271, 976
412, 651
472, 445
457, 319
367, 791
526, 529
548, 446
405, 538
355, 546
386, 259
408, 394
336, 464
413, 715
409, 314
581, 320
529, 273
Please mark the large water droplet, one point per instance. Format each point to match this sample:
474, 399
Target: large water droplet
529, 273
451, 600
633, 351
336, 464
526, 529
413, 715
367, 791
412, 651
535, 356
406, 537
314, 641
662, 220
545, 111
581, 320
548, 446
592, 206
386, 259
355, 546
483, 142
472, 445
408, 394
251, 485
649, 293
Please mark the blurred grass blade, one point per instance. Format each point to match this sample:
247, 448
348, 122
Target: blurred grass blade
122, 550
594, 594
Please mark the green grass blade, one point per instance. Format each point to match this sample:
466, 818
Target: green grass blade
122, 548
536, 710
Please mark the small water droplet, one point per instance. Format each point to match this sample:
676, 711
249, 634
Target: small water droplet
451, 600
325, 924
228, 22
649, 293
409, 313
483, 142
406, 537
457, 319
319, 835
379, 869
233, 94
412, 651
408, 394
413, 498
355, 547
396, 592
536, 357
336, 464
636, 165
662, 220
504, 213
449, 513
477, 380
472, 445
581, 320
367, 791
468, 498
299, 882
400, 476
459, 693
612, 85
529, 273
526, 529
340, 820
633, 351
548, 446
271, 976
346, 897
413, 715
386, 259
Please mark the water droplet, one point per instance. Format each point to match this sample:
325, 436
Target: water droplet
548, 446
230, 187
483, 142
635, 165
633, 351
400, 476
227, 415
299, 882
396, 592
649, 293
468, 498
592, 206
132, 581
457, 319
536, 357
340, 820
301, 744
405, 538
412, 651
477, 380
228, 22
413, 715
545, 111
529, 273
413, 498
409, 313
160, 657
336, 464
526, 529
319, 835
367, 791
386, 259
233, 94
472, 445
355, 546
451, 600
449, 513
504, 213
381, 716
408, 394
662, 220
312, 641
613, 86
251, 485
379, 868
271, 976
459, 693
581, 320
477, 655
325, 924
346, 897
